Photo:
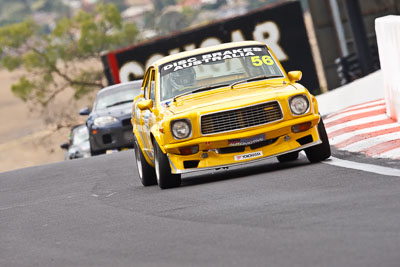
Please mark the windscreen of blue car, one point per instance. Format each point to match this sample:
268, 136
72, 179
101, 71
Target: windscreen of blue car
116, 96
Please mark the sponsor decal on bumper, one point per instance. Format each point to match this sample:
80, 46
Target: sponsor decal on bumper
249, 156
247, 141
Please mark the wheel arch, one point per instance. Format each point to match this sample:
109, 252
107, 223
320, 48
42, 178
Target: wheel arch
315, 104
156, 136
140, 144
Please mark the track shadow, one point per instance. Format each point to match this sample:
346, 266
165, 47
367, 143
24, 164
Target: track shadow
269, 166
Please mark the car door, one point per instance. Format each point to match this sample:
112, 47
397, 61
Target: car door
140, 114
147, 116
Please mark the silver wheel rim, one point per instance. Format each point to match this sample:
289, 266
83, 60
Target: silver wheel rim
138, 162
157, 167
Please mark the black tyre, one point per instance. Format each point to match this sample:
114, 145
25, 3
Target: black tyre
165, 178
98, 152
322, 151
147, 174
288, 157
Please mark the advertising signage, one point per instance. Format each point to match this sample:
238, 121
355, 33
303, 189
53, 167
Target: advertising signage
280, 26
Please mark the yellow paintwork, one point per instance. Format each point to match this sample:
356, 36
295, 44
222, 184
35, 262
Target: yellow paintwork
295, 76
192, 106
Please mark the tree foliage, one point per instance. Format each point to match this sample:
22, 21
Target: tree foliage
159, 5
120, 4
14, 11
167, 17
170, 22
54, 61
48, 6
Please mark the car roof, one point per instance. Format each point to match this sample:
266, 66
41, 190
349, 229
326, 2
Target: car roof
208, 49
114, 86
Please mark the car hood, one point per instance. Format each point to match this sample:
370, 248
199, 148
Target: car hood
226, 98
115, 111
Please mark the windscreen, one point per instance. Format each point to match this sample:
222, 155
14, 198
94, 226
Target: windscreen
118, 95
222, 67
80, 135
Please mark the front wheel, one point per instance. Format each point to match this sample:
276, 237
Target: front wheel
322, 151
146, 172
165, 178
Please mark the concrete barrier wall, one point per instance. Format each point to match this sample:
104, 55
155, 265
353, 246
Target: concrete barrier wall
360, 91
388, 36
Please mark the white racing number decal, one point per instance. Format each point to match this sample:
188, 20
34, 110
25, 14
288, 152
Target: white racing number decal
217, 56
249, 156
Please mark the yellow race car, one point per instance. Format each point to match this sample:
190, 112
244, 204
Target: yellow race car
222, 106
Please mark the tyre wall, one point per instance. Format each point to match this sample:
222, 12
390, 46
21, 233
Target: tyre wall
388, 37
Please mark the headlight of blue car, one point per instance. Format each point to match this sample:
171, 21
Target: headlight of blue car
104, 121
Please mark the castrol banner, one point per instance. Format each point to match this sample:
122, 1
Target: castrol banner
281, 26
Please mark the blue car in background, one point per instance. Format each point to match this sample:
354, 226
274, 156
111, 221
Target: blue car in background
109, 122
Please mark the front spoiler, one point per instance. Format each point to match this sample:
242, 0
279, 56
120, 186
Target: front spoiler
176, 171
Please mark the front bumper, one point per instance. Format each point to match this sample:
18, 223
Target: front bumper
111, 138
217, 152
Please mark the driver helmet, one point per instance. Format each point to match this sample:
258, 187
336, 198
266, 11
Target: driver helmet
183, 78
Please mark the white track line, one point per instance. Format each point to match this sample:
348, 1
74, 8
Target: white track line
363, 167
354, 112
340, 138
369, 142
392, 154
356, 122
377, 102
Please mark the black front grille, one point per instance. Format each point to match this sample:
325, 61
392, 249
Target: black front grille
126, 122
107, 139
188, 164
242, 118
305, 140
263, 143
236, 149
232, 149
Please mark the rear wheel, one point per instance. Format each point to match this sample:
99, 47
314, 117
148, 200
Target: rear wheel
165, 178
288, 157
147, 174
322, 151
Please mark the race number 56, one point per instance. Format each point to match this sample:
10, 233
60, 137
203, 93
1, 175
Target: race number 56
257, 61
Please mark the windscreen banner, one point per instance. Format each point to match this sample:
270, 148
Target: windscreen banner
280, 26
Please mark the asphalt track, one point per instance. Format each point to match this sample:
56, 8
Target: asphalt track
94, 212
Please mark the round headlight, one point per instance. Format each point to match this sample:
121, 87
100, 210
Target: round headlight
299, 104
103, 121
181, 129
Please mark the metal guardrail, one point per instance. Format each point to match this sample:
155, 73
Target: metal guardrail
348, 68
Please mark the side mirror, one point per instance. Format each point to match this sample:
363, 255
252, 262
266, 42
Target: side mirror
145, 104
84, 111
64, 146
295, 76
